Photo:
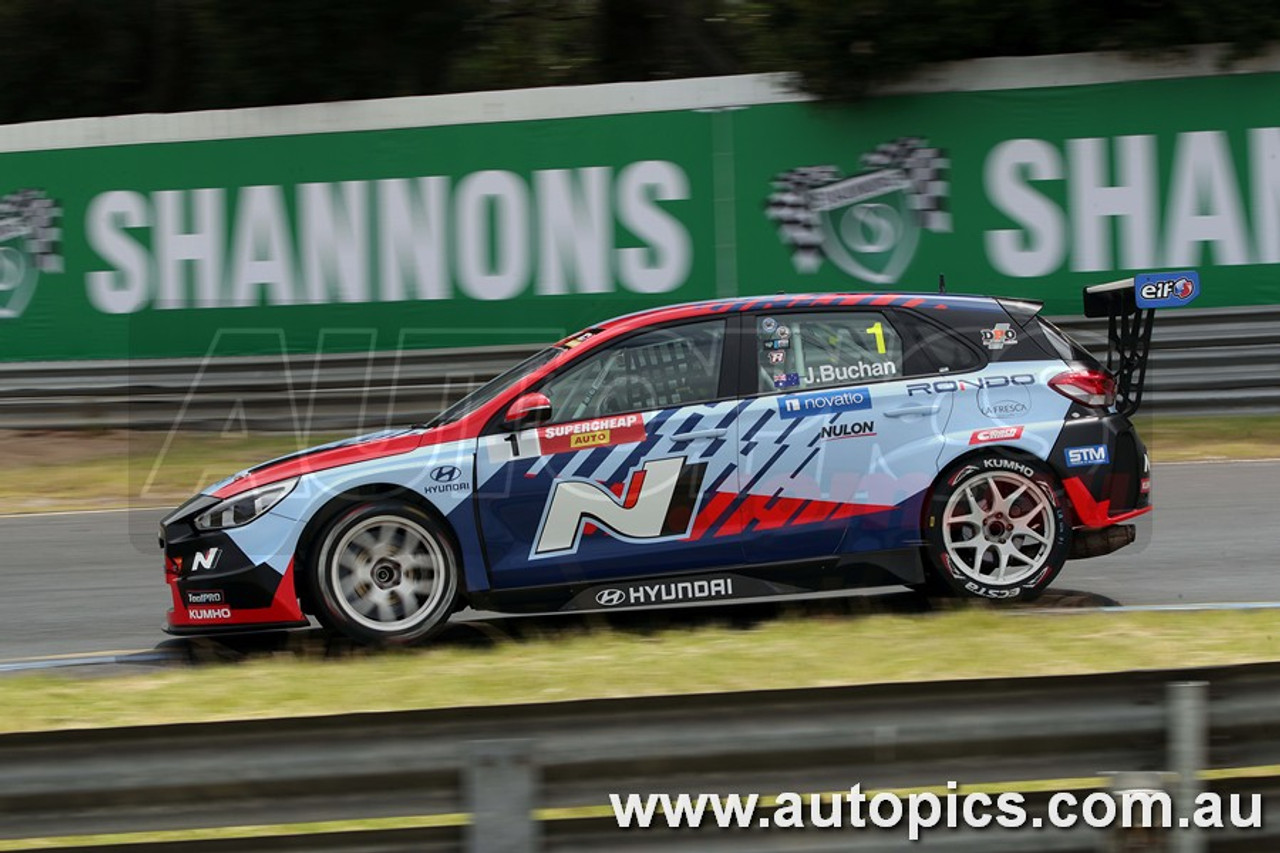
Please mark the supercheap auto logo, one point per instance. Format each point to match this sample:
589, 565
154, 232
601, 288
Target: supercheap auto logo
30, 243
869, 223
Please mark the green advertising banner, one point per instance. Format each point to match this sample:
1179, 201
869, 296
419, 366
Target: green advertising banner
495, 232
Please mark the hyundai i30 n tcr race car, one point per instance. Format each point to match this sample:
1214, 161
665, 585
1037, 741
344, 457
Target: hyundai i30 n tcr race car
697, 453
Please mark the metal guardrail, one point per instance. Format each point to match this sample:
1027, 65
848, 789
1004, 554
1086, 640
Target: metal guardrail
1206, 361
497, 764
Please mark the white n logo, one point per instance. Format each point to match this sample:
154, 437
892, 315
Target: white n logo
205, 559
658, 502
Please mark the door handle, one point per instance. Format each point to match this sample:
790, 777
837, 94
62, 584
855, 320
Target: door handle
694, 436
907, 411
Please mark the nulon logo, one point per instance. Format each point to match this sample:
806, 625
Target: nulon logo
868, 224
30, 243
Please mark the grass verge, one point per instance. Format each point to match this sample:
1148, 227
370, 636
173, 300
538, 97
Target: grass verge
99, 470
783, 653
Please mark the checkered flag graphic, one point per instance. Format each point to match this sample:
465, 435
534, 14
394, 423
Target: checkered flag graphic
926, 169
35, 216
799, 224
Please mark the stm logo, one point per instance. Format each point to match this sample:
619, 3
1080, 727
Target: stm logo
658, 502
867, 224
1080, 457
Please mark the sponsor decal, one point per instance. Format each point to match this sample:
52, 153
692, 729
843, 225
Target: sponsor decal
986, 436
203, 596
786, 380
583, 435
999, 336
446, 473
778, 343
977, 383
824, 403
30, 243
570, 343
1093, 454
777, 357
665, 593
657, 504
610, 597
869, 223
828, 373
1145, 485
769, 325
1166, 289
857, 429
1003, 408
784, 332
208, 614
206, 560
1010, 465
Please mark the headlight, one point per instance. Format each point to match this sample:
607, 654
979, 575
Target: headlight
242, 509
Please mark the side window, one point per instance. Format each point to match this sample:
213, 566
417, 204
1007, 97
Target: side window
826, 349
653, 370
930, 349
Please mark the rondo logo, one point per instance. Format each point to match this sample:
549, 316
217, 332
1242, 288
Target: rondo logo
446, 474
868, 223
610, 597
30, 242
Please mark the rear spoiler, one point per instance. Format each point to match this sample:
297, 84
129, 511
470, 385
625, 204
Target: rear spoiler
1130, 308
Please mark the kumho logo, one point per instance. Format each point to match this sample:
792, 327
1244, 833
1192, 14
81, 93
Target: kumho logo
868, 224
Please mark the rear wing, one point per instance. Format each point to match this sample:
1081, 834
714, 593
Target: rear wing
1130, 308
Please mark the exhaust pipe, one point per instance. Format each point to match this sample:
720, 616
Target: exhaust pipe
1096, 543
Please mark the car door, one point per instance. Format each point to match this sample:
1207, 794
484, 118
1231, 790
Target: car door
619, 482
836, 450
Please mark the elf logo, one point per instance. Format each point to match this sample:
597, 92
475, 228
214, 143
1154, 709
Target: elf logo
657, 503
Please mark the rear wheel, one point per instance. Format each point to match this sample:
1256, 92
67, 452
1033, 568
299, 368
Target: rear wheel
385, 573
996, 528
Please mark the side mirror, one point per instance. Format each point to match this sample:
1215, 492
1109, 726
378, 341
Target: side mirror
527, 410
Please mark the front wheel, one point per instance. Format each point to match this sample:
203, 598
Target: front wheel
385, 573
996, 528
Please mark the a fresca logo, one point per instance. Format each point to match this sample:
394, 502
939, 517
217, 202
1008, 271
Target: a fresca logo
1166, 289
824, 402
867, 224
1093, 454
30, 243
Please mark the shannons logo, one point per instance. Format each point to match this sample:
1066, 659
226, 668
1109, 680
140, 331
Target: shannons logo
868, 224
30, 243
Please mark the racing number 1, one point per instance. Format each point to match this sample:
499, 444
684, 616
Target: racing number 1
877, 332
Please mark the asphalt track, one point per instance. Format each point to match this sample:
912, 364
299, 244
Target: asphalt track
79, 583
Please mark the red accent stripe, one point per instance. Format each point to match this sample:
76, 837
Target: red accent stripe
887, 299
284, 608
912, 303
322, 461
1094, 513
710, 513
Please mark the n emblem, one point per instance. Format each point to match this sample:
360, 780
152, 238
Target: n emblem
658, 502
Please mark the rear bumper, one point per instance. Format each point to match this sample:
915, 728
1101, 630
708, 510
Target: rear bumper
1104, 469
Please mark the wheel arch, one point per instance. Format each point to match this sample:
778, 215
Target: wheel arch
1009, 451
336, 505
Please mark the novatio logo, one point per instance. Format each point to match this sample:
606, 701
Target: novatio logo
824, 403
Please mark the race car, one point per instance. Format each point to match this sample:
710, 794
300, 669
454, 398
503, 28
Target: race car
698, 453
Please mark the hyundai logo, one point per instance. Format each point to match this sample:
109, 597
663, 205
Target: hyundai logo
446, 474
610, 597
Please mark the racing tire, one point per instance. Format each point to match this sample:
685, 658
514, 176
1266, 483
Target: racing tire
996, 528
385, 573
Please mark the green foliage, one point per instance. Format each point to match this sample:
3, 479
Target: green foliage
63, 58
